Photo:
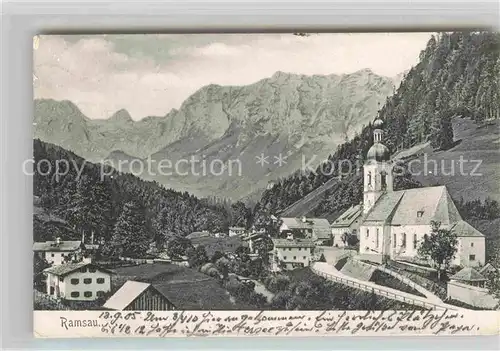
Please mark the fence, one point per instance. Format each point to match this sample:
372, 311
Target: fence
398, 276
377, 291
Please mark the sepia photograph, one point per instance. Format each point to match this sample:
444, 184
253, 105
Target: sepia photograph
266, 172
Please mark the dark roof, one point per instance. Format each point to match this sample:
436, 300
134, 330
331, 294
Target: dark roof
53, 246
468, 274
293, 243
378, 152
184, 287
66, 268
348, 217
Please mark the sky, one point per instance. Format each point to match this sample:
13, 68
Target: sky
148, 75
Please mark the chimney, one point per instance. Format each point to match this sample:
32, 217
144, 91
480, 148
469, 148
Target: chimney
304, 219
83, 237
92, 238
87, 259
58, 241
289, 236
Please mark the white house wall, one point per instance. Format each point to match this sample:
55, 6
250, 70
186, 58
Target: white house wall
294, 255
66, 287
470, 246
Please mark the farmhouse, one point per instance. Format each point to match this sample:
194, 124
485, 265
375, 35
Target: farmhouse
56, 252
291, 253
138, 296
393, 223
316, 229
346, 224
81, 281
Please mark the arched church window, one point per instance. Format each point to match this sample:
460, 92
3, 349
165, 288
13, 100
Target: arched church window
383, 180
370, 179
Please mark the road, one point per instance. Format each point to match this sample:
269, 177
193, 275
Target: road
329, 270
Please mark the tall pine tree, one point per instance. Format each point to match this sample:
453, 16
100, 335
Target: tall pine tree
130, 237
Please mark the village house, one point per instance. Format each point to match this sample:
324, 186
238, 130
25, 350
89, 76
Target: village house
347, 224
58, 251
393, 223
233, 231
253, 238
316, 229
138, 296
291, 253
82, 281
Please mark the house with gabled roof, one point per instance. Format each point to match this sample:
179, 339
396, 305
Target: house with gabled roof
138, 296
316, 229
291, 253
394, 222
59, 251
82, 281
346, 224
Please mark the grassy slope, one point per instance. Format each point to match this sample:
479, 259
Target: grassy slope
384, 279
341, 297
473, 143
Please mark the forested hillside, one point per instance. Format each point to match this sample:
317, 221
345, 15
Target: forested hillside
113, 206
457, 76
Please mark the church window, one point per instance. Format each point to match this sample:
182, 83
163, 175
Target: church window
369, 179
394, 242
403, 240
471, 244
367, 233
383, 180
414, 241
420, 214
472, 257
378, 234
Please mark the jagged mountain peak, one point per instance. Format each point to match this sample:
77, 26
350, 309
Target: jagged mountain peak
121, 115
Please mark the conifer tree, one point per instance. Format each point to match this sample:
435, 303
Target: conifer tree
130, 237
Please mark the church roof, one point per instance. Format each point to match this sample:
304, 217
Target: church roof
384, 207
468, 274
415, 207
348, 217
464, 229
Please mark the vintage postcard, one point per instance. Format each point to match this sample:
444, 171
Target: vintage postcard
266, 184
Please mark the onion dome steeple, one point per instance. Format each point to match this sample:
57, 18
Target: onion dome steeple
378, 152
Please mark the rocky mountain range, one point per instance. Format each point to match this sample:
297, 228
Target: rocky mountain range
287, 117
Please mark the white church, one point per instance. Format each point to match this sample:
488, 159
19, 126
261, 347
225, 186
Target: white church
393, 223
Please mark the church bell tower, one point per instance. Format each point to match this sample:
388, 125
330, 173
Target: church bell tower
377, 169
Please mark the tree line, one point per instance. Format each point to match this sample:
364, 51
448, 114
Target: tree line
457, 75
122, 212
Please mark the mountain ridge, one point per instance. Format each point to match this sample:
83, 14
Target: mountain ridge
285, 114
